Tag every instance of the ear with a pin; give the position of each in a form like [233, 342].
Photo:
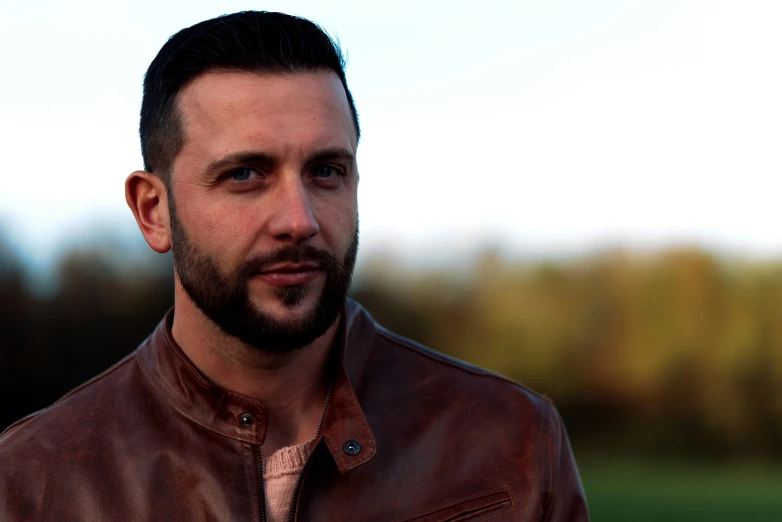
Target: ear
[146, 196]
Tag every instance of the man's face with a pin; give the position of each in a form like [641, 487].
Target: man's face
[262, 204]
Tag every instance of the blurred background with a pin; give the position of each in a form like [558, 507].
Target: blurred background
[579, 195]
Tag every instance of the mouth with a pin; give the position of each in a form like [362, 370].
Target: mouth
[288, 274]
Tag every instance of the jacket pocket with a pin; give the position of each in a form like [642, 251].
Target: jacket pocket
[474, 509]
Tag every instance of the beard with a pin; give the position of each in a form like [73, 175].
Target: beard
[225, 299]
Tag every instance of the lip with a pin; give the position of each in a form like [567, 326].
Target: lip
[288, 274]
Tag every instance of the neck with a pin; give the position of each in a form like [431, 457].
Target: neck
[293, 386]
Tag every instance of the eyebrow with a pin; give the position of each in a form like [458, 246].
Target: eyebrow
[217, 167]
[332, 154]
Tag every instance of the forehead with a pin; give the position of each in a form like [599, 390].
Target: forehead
[223, 112]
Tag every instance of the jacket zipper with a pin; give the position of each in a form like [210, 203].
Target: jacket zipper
[258, 461]
[296, 490]
[300, 479]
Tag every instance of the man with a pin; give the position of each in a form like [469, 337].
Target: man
[265, 394]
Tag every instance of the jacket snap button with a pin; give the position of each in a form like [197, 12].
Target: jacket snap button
[352, 447]
[246, 419]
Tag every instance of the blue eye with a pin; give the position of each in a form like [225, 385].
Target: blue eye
[243, 174]
[323, 171]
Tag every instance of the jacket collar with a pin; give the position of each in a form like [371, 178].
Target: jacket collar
[194, 396]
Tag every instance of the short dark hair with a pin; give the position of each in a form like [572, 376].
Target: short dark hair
[246, 41]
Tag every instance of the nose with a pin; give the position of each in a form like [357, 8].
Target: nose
[293, 219]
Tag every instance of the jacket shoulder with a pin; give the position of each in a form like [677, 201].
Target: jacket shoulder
[70, 416]
[454, 376]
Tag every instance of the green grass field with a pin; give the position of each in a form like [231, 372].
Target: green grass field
[621, 492]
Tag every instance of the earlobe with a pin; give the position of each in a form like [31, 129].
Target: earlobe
[146, 196]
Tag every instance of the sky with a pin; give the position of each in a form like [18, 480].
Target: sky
[554, 127]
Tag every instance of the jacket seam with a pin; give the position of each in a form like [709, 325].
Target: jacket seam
[195, 372]
[499, 514]
[172, 403]
[550, 475]
[462, 501]
[381, 331]
[250, 483]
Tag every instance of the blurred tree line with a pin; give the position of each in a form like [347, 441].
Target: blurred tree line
[676, 353]
[52, 340]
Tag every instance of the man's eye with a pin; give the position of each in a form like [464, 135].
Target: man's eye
[243, 174]
[323, 171]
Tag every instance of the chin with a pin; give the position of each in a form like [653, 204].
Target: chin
[288, 304]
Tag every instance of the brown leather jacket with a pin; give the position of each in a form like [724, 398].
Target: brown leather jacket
[409, 434]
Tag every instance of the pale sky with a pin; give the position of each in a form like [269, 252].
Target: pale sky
[540, 126]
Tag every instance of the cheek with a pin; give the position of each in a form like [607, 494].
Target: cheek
[338, 221]
[222, 231]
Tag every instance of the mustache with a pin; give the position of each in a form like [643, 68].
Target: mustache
[294, 254]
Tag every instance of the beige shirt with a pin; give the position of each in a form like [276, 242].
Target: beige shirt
[281, 470]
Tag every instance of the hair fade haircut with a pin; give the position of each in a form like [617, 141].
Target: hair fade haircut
[251, 41]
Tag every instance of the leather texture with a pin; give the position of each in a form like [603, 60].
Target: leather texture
[152, 439]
